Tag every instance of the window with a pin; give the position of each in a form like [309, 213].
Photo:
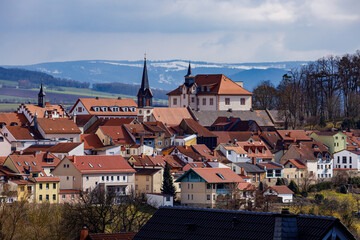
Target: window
[147, 187]
[208, 186]
[344, 159]
[175, 101]
[124, 178]
[254, 177]
[107, 178]
[287, 176]
[258, 177]
[47, 197]
[192, 99]
[72, 196]
[63, 196]
[227, 101]
[47, 186]
[67, 178]
[112, 178]
[167, 198]
[136, 187]
[87, 178]
[54, 185]
[192, 197]
[74, 178]
[147, 178]
[350, 166]
[204, 101]
[40, 197]
[118, 178]
[159, 143]
[22, 188]
[214, 197]
[40, 186]
[64, 165]
[338, 158]
[211, 101]
[350, 159]
[192, 186]
[208, 197]
[79, 109]
[103, 178]
[188, 186]
[242, 101]
[54, 197]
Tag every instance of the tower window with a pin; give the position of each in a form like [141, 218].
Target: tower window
[204, 101]
[211, 101]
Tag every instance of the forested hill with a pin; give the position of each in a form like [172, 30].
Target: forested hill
[29, 79]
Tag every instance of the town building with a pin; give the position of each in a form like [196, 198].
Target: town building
[336, 141]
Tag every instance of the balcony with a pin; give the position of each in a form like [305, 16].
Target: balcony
[222, 191]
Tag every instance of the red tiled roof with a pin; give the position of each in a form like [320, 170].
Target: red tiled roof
[100, 164]
[81, 120]
[213, 175]
[43, 157]
[188, 151]
[282, 190]
[196, 164]
[58, 126]
[88, 103]
[21, 133]
[270, 165]
[36, 148]
[258, 149]
[25, 161]
[171, 116]
[21, 182]
[172, 160]
[291, 135]
[245, 186]
[142, 161]
[47, 179]
[90, 141]
[63, 147]
[118, 134]
[198, 128]
[204, 151]
[13, 118]
[297, 163]
[43, 111]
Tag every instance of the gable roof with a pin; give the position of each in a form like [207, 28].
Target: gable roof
[13, 118]
[63, 147]
[197, 128]
[43, 111]
[215, 175]
[211, 224]
[171, 116]
[249, 167]
[282, 189]
[118, 134]
[90, 141]
[88, 103]
[204, 151]
[23, 162]
[43, 159]
[141, 161]
[58, 126]
[296, 163]
[100, 164]
[21, 133]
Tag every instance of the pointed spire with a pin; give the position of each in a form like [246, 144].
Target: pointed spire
[189, 73]
[41, 96]
[145, 80]
[41, 92]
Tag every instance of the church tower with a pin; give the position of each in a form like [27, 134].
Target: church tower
[144, 95]
[189, 78]
[41, 96]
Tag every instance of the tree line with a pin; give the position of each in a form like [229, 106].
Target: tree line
[322, 91]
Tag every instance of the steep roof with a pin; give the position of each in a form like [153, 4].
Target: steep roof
[238, 149]
[23, 162]
[13, 118]
[270, 165]
[100, 164]
[215, 175]
[43, 111]
[226, 137]
[204, 151]
[296, 163]
[249, 167]
[282, 189]
[47, 159]
[58, 126]
[118, 134]
[188, 151]
[211, 224]
[21, 133]
[88, 103]
[256, 149]
[63, 147]
[171, 116]
[198, 128]
[90, 141]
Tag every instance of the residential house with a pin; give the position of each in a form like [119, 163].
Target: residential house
[19, 137]
[169, 116]
[257, 150]
[48, 161]
[202, 186]
[289, 137]
[58, 128]
[233, 152]
[46, 189]
[336, 141]
[142, 136]
[203, 135]
[158, 200]
[105, 107]
[142, 161]
[148, 180]
[25, 189]
[254, 173]
[46, 111]
[186, 140]
[282, 192]
[85, 173]
[91, 141]
[69, 195]
[210, 92]
[5, 146]
[61, 150]
[234, 124]
[204, 223]
[295, 170]
[204, 151]
[24, 165]
[274, 143]
[187, 154]
[163, 137]
[347, 159]
[315, 155]
[273, 171]
[12, 119]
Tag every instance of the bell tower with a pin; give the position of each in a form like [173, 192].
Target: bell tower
[144, 95]
[41, 96]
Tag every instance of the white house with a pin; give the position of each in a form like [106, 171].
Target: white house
[234, 153]
[58, 128]
[5, 146]
[210, 92]
[157, 200]
[347, 159]
[281, 191]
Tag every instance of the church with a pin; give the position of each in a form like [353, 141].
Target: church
[210, 92]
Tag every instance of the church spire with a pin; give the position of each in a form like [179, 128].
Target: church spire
[189, 78]
[41, 96]
[144, 94]
[189, 73]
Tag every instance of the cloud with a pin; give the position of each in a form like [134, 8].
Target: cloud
[211, 30]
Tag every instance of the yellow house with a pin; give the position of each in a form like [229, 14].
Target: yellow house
[25, 190]
[148, 180]
[47, 189]
[336, 141]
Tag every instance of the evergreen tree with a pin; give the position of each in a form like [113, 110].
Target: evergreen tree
[280, 182]
[293, 187]
[168, 184]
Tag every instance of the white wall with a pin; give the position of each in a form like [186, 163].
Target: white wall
[171, 102]
[234, 102]
[207, 106]
[338, 160]
[156, 200]
[324, 169]
[83, 112]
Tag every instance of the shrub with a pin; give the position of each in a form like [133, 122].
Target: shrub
[320, 186]
[280, 182]
[319, 198]
[293, 187]
[304, 194]
[343, 189]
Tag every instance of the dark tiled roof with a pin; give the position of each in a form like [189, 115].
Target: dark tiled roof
[251, 168]
[110, 236]
[211, 224]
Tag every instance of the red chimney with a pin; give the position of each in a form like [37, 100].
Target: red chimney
[253, 160]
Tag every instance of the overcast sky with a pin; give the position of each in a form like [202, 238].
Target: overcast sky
[34, 31]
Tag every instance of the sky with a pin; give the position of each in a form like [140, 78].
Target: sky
[231, 31]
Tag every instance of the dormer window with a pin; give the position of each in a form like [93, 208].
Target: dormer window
[104, 109]
[319, 155]
[96, 109]
[125, 109]
[208, 88]
[114, 109]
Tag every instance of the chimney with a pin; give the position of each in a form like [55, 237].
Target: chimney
[285, 225]
[74, 117]
[84, 233]
[97, 98]
[119, 98]
[47, 104]
[253, 160]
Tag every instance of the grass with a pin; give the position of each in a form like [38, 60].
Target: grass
[8, 107]
[8, 83]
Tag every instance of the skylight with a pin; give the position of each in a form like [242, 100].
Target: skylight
[34, 163]
[91, 165]
[18, 163]
[220, 176]
[26, 163]
[195, 165]
[99, 165]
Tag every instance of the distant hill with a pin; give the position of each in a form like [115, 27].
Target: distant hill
[165, 75]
